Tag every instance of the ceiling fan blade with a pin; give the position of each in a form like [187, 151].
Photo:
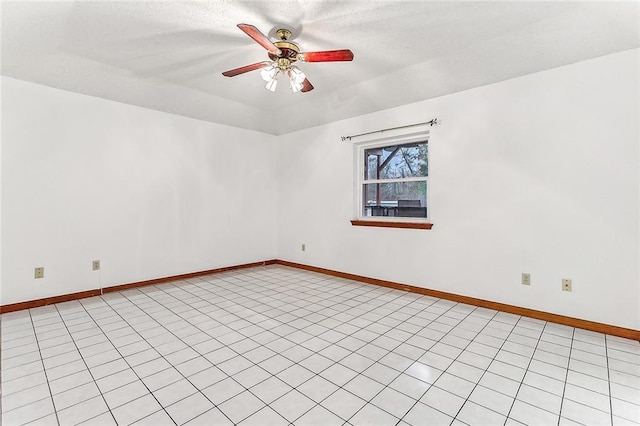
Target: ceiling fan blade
[246, 68]
[260, 38]
[306, 86]
[326, 56]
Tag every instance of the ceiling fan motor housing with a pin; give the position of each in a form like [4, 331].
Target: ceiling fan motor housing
[289, 50]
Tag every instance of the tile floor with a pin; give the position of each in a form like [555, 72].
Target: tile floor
[278, 346]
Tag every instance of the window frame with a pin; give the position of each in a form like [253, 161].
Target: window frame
[359, 181]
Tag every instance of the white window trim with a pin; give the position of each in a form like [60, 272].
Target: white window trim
[359, 180]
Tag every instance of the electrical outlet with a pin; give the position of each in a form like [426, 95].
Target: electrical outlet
[96, 265]
[526, 279]
[304, 247]
[39, 272]
[566, 284]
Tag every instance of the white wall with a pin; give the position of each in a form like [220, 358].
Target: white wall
[537, 174]
[149, 194]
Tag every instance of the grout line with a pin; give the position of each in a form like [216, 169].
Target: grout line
[126, 361]
[44, 370]
[453, 359]
[484, 372]
[606, 352]
[87, 369]
[566, 377]
[526, 370]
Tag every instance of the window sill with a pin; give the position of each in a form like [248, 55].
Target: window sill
[389, 224]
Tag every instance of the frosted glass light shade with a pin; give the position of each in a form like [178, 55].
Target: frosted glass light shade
[269, 73]
[271, 85]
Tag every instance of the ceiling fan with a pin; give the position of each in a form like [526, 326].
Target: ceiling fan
[283, 54]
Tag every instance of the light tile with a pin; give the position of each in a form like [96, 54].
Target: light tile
[136, 409]
[19, 371]
[589, 382]
[109, 368]
[276, 364]
[25, 397]
[223, 390]
[69, 382]
[76, 395]
[507, 370]
[193, 366]
[28, 413]
[104, 419]
[295, 375]
[443, 401]
[241, 406]
[264, 417]
[499, 383]
[221, 355]
[83, 411]
[455, 385]
[372, 415]
[491, 399]
[422, 414]
[161, 379]
[343, 403]
[174, 392]
[626, 410]
[395, 361]
[234, 365]
[319, 416]
[292, 405]
[540, 398]
[335, 352]
[318, 388]
[271, 389]
[474, 414]
[297, 353]
[393, 402]
[625, 393]
[316, 363]
[259, 354]
[530, 414]
[189, 408]
[338, 374]
[583, 414]
[410, 386]
[24, 382]
[206, 378]
[151, 367]
[364, 387]
[587, 397]
[125, 394]
[159, 418]
[465, 371]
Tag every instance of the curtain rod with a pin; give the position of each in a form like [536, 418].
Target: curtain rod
[432, 122]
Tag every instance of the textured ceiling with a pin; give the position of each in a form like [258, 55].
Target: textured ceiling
[169, 55]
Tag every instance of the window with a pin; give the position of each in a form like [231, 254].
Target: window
[393, 182]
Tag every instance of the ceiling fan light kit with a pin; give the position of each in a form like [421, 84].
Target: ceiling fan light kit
[282, 54]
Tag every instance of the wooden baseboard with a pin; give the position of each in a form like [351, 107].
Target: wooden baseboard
[48, 301]
[627, 333]
[184, 276]
[90, 293]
